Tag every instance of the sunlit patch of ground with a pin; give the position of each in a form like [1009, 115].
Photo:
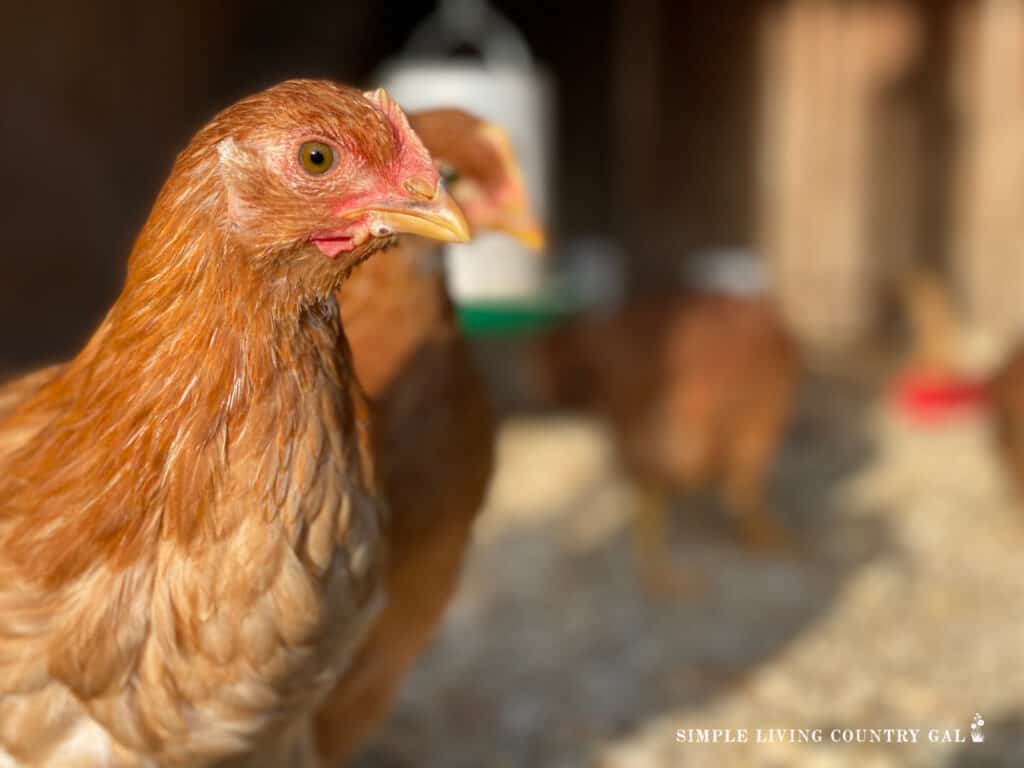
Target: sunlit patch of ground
[904, 608]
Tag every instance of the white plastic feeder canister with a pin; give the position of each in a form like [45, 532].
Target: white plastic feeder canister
[504, 86]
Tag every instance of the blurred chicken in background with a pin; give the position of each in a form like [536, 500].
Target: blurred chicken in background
[434, 426]
[1006, 390]
[1007, 393]
[697, 389]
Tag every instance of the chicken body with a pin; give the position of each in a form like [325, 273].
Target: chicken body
[190, 530]
[697, 392]
[434, 434]
[433, 421]
[1006, 391]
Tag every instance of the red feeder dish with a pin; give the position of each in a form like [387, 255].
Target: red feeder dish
[930, 399]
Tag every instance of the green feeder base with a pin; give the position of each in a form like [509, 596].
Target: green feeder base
[518, 317]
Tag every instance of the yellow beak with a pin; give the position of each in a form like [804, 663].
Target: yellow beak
[438, 218]
[528, 232]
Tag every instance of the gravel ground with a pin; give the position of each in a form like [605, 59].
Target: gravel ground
[903, 608]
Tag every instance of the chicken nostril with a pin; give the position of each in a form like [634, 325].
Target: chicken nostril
[382, 230]
[421, 188]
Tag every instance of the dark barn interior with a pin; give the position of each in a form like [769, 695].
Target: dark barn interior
[866, 155]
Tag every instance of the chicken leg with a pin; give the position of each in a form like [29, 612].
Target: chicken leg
[652, 545]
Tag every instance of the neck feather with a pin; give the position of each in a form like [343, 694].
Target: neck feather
[196, 363]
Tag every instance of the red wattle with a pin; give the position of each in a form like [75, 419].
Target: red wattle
[332, 246]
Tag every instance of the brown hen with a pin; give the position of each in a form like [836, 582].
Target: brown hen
[1006, 390]
[697, 391]
[432, 419]
[190, 546]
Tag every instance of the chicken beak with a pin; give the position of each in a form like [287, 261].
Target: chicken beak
[439, 218]
[513, 212]
[528, 232]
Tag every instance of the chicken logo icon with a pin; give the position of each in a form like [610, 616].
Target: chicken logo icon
[977, 729]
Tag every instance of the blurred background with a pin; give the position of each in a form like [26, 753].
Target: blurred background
[831, 151]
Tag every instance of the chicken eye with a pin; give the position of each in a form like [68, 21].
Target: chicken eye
[316, 157]
[448, 175]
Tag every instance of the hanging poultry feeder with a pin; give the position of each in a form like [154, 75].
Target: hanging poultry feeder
[468, 55]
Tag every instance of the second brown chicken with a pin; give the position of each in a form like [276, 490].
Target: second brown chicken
[433, 423]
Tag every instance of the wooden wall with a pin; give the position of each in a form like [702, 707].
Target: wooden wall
[989, 193]
[893, 134]
[844, 140]
[835, 104]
